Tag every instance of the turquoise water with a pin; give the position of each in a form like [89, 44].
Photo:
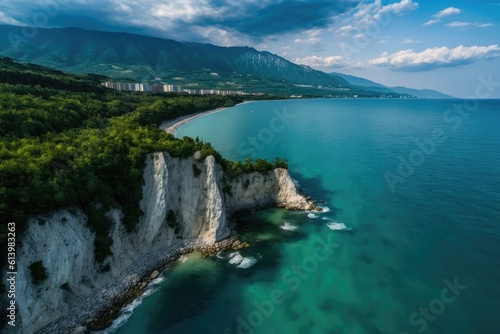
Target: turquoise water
[409, 251]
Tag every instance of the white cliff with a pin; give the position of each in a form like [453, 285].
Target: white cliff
[65, 245]
[255, 190]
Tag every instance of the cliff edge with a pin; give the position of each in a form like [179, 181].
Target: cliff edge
[186, 202]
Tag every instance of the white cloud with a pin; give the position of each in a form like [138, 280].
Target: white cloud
[460, 24]
[484, 25]
[365, 15]
[4, 19]
[442, 13]
[430, 22]
[346, 30]
[318, 61]
[410, 41]
[400, 7]
[312, 37]
[408, 60]
[447, 12]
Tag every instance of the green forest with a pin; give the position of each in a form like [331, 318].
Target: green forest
[68, 142]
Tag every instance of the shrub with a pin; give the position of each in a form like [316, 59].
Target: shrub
[196, 170]
[173, 223]
[38, 272]
[105, 269]
[227, 190]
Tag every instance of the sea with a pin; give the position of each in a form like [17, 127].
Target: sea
[408, 240]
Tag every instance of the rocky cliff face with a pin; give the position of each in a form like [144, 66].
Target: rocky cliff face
[76, 285]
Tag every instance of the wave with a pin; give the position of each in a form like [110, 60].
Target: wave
[219, 255]
[235, 258]
[288, 227]
[128, 310]
[241, 262]
[325, 209]
[247, 263]
[312, 215]
[336, 226]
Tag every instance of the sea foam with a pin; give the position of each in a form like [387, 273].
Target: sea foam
[235, 258]
[247, 262]
[288, 227]
[128, 310]
[241, 262]
[336, 226]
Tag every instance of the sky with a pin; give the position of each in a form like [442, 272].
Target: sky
[450, 46]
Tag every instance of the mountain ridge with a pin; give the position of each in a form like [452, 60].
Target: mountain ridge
[126, 56]
[378, 87]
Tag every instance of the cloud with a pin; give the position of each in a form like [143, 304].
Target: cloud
[430, 22]
[366, 14]
[318, 61]
[442, 13]
[312, 37]
[8, 20]
[408, 60]
[447, 12]
[410, 41]
[195, 20]
[400, 7]
[460, 24]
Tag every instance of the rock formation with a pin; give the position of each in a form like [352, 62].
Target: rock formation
[77, 289]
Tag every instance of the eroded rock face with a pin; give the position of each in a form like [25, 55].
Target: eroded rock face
[65, 245]
[255, 190]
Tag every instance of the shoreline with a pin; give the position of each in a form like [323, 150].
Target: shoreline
[174, 125]
[98, 313]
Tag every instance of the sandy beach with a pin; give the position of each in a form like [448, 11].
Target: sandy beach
[173, 125]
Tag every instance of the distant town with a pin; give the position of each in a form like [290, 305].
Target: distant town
[158, 88]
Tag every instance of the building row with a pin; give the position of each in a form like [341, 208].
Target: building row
[157, 88]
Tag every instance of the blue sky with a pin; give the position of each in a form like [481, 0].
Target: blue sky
[443, 45]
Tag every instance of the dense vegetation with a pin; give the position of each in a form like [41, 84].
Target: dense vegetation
[67, 142]
[38, 272]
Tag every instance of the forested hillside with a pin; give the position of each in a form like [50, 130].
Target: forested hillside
[131, 57]
[67, 142]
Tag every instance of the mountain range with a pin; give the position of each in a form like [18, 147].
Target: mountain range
[377, 87]
[137, 58]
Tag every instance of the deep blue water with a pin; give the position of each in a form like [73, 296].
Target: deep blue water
[411, 243]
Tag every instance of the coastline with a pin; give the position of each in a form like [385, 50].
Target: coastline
[174, 125]
[98, 312]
